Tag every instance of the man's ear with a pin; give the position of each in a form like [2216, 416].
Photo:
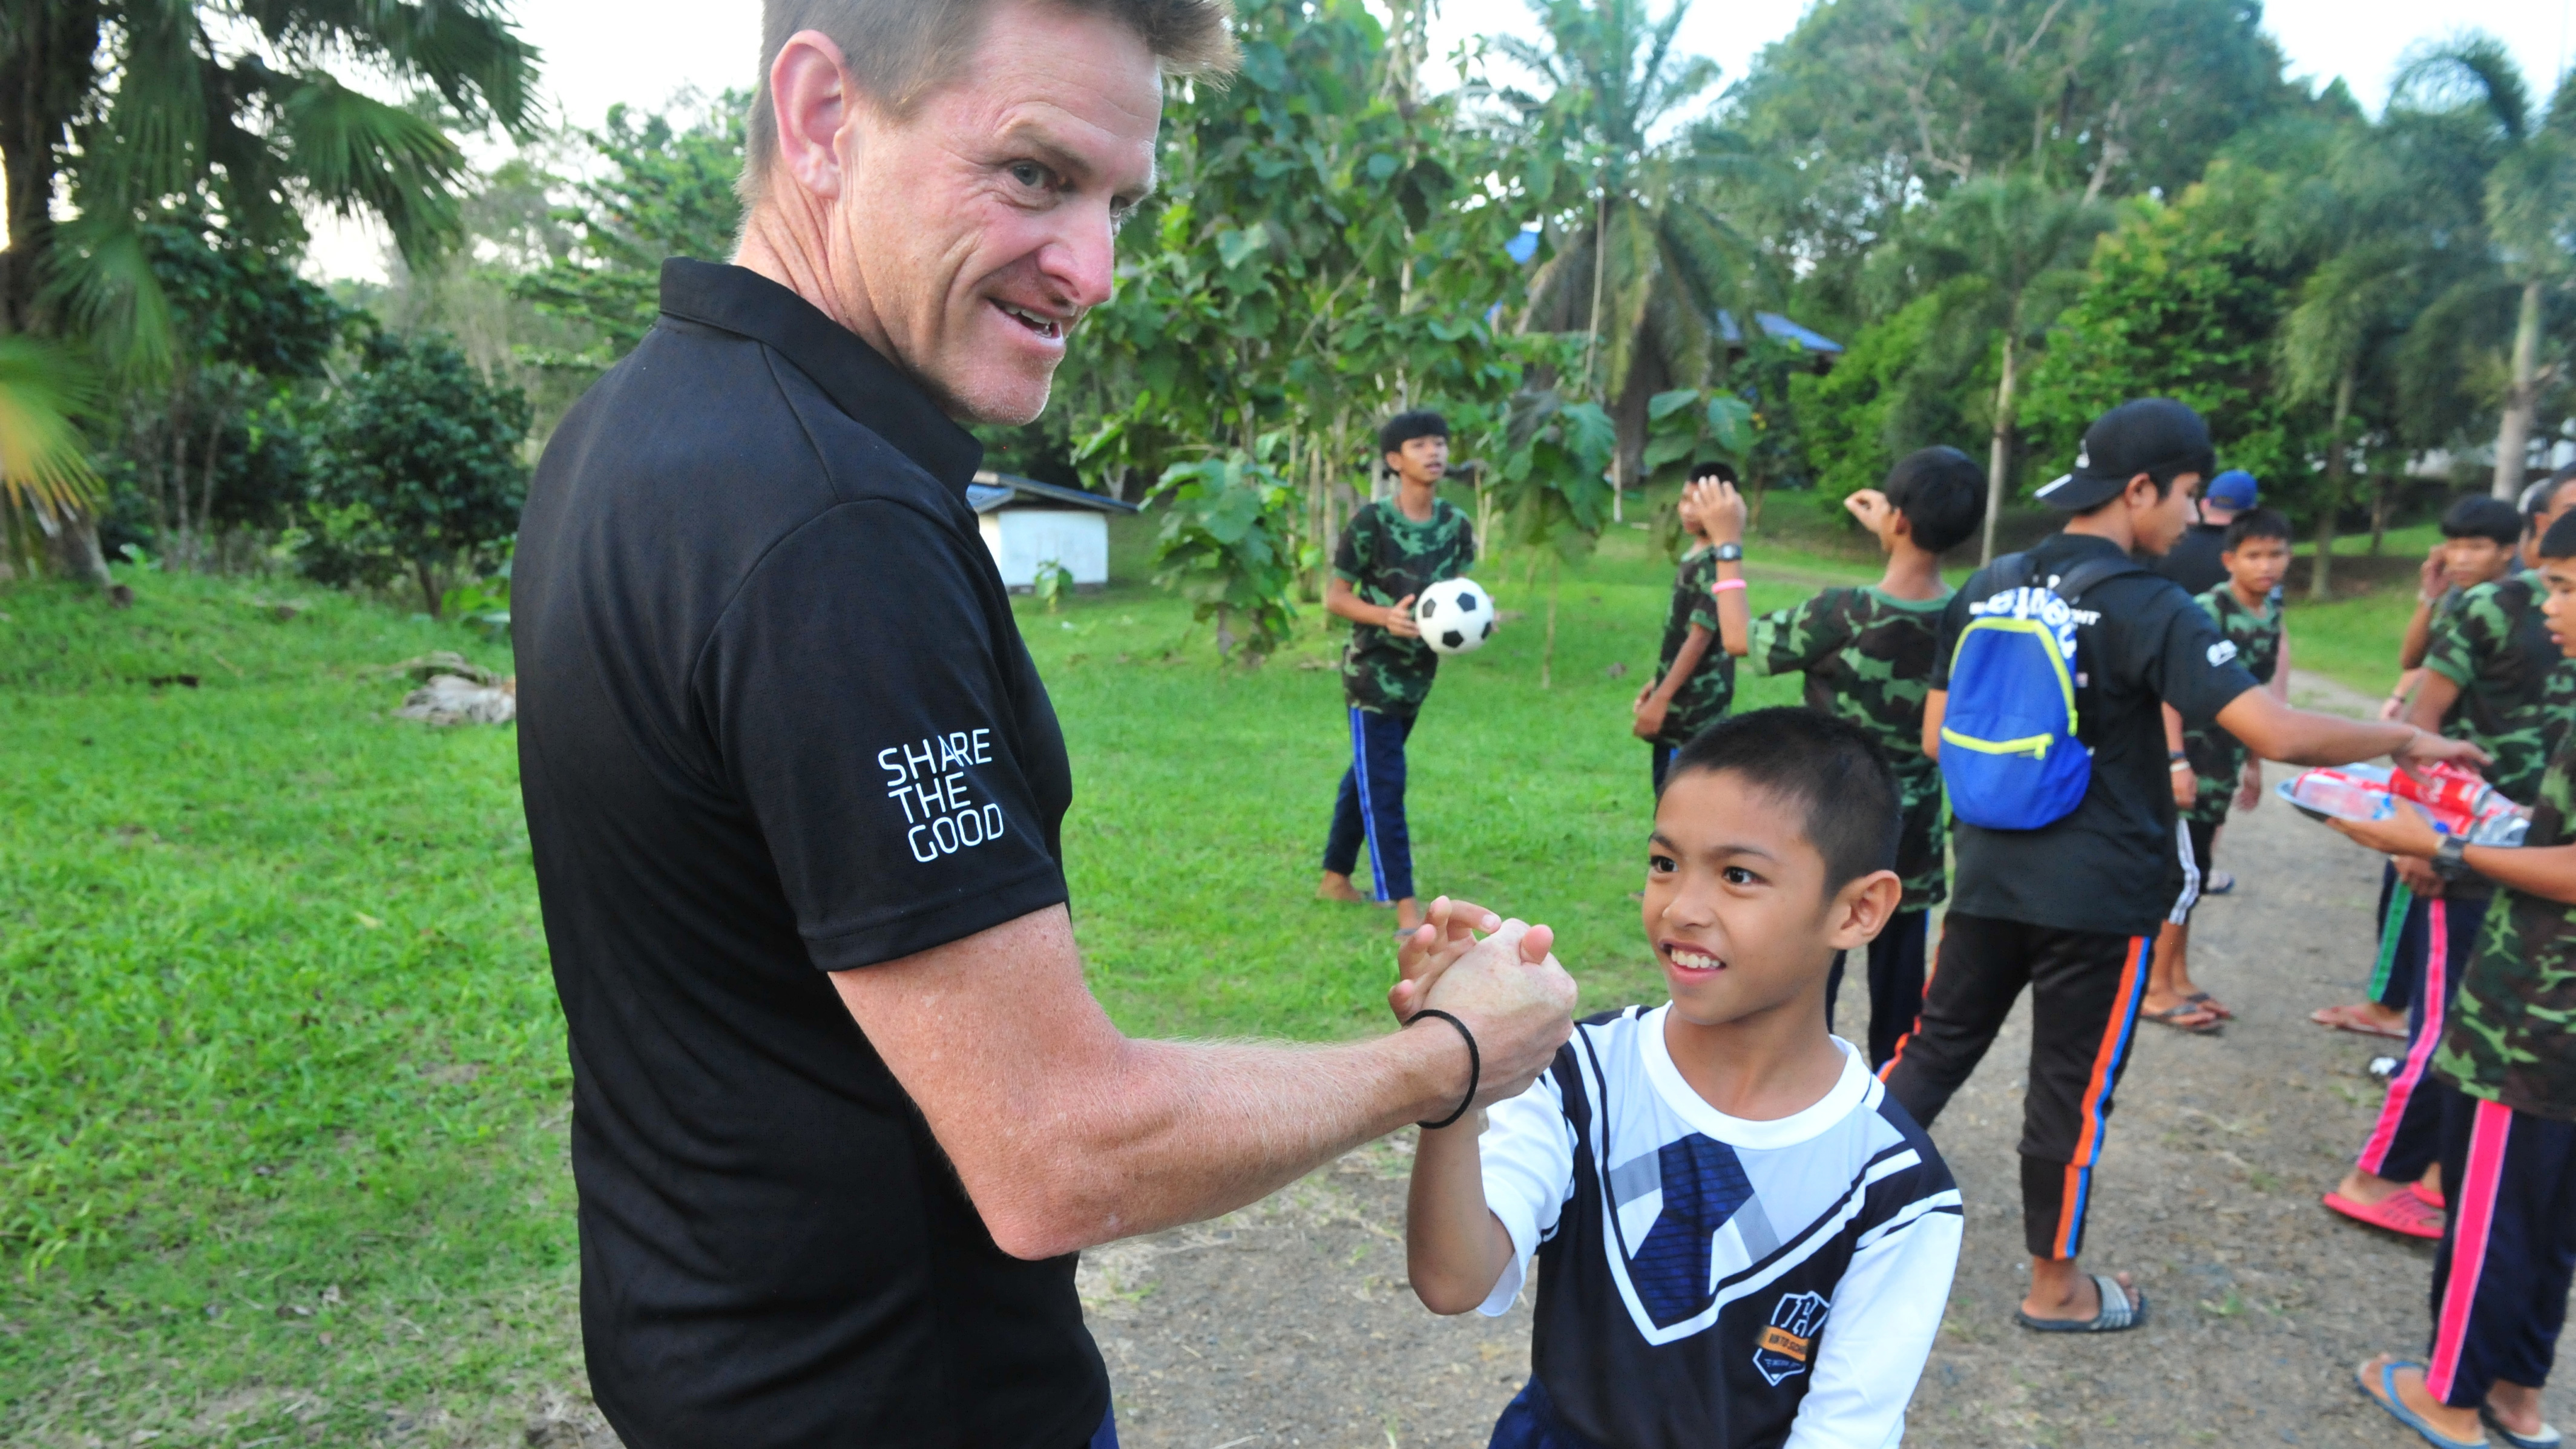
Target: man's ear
[811, 97]
[1862, 909]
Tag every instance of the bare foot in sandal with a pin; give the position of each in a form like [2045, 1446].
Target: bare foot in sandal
[2060, 1292]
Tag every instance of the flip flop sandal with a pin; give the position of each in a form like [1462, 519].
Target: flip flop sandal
[2387, 1399]
[2109, 1320]
[2218, 884]
[2334, 1016]
[2547, 1438]
[2400, 1212]
[2432, 1196]
[2195, 1028]
[2209, 1003]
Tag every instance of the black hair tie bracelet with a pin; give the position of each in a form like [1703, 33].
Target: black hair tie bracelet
[1475, 1068]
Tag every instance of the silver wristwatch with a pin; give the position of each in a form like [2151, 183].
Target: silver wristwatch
[2451, 858]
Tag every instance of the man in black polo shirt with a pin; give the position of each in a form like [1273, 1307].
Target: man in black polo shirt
[843, 1110]
[2071, 910]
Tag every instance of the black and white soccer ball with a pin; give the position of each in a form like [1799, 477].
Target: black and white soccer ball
[1456, 615]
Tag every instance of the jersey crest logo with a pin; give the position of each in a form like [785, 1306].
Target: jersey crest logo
[1789, 1342]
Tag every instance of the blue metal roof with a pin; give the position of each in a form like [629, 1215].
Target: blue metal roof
[992, 490]
[1775, 325]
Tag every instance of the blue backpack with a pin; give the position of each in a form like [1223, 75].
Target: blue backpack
[2010, 759]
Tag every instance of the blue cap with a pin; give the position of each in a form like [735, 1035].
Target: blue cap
[2234, 488]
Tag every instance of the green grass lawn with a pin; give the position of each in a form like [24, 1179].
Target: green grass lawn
[282, 1083]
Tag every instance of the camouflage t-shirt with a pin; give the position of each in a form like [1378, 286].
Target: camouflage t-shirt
[2512, 1037]
[2495, 646]
[1703, 698]
[1384, 556]
[1868, 659]
[2217, 757]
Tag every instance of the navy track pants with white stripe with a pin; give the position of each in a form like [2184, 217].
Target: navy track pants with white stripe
[1370, 808]
[2501, 1276]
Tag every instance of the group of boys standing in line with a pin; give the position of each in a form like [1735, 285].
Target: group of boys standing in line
[1721, 1189]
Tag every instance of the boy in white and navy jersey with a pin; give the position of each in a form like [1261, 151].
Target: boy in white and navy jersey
[1744, 1242]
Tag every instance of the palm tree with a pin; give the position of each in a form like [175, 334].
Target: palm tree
[132, 110]
[2005, 255]
[1647, 261]
[2530, 207]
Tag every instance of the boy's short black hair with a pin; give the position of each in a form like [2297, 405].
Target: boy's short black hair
[1823, 764]
[1712, 468]
[2479, 516]
[1403, 428]
[1942, 493]
[2560, 540]
[2254, 523]
[2537, 498]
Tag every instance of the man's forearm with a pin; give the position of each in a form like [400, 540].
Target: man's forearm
[1177, 1132]
[2298, 737]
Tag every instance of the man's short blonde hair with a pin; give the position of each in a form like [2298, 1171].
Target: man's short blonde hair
[901, 50]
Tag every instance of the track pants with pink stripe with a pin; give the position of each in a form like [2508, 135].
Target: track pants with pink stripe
[2501, 1276]
[2441, 934]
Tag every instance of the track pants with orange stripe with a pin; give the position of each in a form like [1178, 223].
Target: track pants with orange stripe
[2085, 987]
[2500, 1278]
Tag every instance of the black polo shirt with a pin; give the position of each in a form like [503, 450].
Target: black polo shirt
[775, 720]
[2111, 865]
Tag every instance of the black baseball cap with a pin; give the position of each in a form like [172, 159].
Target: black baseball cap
[2148, 435]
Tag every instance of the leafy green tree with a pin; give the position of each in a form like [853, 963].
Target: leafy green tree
[1870, 107]
[665, 188]
[137, 110]
[1882, 400]
[1225, 545]
[2530, 211]
[1644, 260]
[45, 473]
[2002, 256]
[422, 474]
[1555, 491]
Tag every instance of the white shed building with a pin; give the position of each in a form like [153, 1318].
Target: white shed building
[1028, 524]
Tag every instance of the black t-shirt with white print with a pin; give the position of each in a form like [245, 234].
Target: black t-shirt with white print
[2110, 865]
[776, 721]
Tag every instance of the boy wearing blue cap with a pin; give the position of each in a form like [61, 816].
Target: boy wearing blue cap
[2193, 560]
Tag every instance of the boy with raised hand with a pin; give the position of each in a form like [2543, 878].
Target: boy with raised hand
[2211, 770]
[1389, 553]
[1867, 656]
[2508, 1131]
[2479, 536]
[1746, 1241]
[2069, 909]
[1694, 682]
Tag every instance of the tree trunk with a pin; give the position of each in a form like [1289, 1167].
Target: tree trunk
[43, 80]
[2513, 432]
[1547, 651]
[202, 547]
[1600, 258]
[429, 591]
[82, 557]
[2378, 513]
[1999, 455]
[2338, 465]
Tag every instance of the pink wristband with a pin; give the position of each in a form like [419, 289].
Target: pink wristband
[1722, 585]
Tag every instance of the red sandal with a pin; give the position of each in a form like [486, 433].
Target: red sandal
[2400, 1212]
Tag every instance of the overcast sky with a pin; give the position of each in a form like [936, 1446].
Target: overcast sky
[598, 53]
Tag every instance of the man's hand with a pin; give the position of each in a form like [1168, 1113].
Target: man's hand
[1447, 933]
[1516, 999]
[1871, 507]
[2432, 577]
[1721, 510]
[2418, 874]
[1399, 619]
[2406, 835]
[2428, 748]
[2186, 787]
[1650, 717]
[2249, 786]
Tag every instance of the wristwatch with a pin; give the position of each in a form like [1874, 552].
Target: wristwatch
[1729, 552]
[2451, 859]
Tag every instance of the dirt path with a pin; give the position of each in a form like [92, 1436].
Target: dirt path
[1289, 1323]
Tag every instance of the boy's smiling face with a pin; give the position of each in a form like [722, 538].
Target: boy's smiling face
[1736, 906]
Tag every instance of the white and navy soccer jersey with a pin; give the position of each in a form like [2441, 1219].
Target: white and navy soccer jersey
[1710, 1281]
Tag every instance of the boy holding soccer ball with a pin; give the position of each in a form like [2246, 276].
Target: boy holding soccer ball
[1389, 553]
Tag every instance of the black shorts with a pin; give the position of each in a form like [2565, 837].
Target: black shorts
[2197, 843]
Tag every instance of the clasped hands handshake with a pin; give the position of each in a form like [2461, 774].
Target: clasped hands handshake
[1505, 987]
